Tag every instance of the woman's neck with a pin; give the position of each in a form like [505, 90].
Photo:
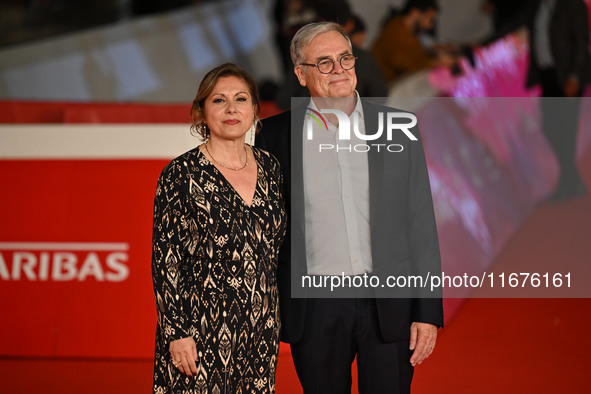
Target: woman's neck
[227, 153]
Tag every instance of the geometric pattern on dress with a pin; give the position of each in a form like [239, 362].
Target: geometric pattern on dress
[214, 263]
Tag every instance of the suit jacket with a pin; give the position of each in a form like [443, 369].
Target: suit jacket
[402, 223]
[569, 42]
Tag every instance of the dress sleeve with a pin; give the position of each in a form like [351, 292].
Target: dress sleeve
[170, 238]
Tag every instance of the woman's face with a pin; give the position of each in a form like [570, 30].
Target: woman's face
[229, 109]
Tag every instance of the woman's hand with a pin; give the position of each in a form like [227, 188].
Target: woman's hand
[184, 355]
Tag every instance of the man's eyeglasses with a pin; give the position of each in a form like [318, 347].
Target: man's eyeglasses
[325, 66]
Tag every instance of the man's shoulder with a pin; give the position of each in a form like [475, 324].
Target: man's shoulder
[275, 130]
[374, 106]
[179, 166]
[278, 118]
[267, 158]
[283, 119]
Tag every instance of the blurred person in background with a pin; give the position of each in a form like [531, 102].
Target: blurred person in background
[503, 12]
[508, 17]
[219, 220]
[398, 49]
[358, 33]
[561, 64]
[289, 16]
[144, 7]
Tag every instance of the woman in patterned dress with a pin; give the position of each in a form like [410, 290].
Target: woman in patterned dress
[219, 220]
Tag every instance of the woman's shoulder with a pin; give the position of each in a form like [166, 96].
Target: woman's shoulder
[189, 159]
[266, 158]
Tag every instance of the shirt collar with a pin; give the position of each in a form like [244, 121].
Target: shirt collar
[358, 107]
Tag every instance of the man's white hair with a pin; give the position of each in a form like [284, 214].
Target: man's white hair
[307, 33]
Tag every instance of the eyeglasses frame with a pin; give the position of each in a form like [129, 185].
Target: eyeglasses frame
[340, 60]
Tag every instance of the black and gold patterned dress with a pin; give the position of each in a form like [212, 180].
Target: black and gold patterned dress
[214, 263]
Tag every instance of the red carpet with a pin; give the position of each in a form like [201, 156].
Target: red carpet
[523, 345]
[490, 346]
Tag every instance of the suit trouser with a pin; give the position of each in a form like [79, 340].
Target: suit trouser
[560, 118]
[335, 331]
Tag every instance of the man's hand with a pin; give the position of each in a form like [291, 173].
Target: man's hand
[444, 59]
[184, 355]
[571, 87]
[422, 341]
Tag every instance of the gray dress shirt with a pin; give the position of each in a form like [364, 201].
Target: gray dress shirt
[336, 200]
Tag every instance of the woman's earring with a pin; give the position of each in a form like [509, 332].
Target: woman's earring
[203, 131]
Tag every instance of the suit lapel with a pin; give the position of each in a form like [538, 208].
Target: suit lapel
[296, 172]
[375, 164]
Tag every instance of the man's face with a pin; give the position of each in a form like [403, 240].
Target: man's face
[426, 20]
[337, 83]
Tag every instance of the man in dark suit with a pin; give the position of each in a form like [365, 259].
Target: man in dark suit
[383, 200]
[561, 64]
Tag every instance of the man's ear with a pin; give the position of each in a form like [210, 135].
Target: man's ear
[299, 72]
